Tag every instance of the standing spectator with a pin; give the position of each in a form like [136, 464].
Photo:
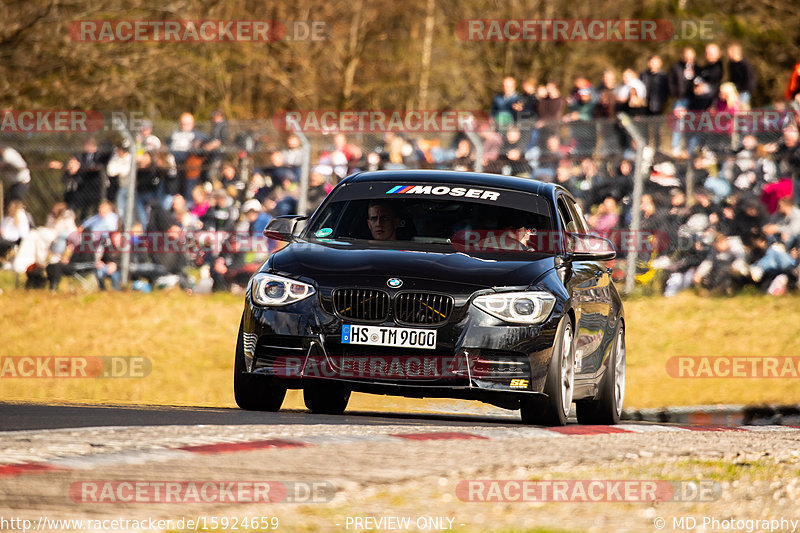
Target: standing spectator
[741, 74]
[292, 155]
[793, 86]
[148, 183]
[183, 143]
[216, 143]
[707, 81]
[231, 182]
[15, 172]
[580, 110]
[526, 106]
[502, 108]
[706, 88]
[632, 94]
[550, 108]
[492, 143]
[681, 85]
[657, 86]
[83, 178]
[613, 135]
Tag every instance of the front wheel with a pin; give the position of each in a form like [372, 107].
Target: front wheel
[607, 408]
[253, 392]
[558, 386]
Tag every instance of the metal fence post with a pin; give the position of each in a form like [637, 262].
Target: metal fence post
[639, 168]
[468, 127]
[305, 167]
[127, 224]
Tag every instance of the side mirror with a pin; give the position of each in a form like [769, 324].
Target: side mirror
[284, 228]
[582, 247]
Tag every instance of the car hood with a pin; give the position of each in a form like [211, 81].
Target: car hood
[335, 264]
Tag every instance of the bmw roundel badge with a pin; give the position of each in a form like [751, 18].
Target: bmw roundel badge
[394, 283]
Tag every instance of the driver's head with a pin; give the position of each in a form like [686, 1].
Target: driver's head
[382, 220]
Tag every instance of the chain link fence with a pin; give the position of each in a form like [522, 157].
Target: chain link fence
[660, 187]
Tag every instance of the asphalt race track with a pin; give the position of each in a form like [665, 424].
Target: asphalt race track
[367, 471]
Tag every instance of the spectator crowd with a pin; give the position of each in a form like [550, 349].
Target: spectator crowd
[719, 208]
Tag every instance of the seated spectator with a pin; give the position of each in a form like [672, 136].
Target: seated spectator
[545, 161]
[492, 143]
[605, 218]
[104, 222]
[716, 273]
[145, 140]
[319, 185]
[511, 160]
[231, 181]
[255, 217]
[784, 226]
[199, 201]
[107, 266]
[221, 214]
[564, 177]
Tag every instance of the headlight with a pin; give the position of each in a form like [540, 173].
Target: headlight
[271, 290]
[530, 307]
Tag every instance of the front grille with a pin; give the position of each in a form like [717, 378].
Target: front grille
[422, 308]
[361, 304]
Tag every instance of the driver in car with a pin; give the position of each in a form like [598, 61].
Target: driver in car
[383, 221]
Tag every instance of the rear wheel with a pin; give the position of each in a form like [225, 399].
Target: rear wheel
[254, 392]
[326, 398]
[559, 385]
[607, 408]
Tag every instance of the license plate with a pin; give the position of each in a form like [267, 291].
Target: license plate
[385, 336]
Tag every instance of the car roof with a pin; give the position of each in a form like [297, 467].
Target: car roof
[453, 177]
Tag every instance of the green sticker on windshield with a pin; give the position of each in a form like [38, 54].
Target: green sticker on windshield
[324, 232]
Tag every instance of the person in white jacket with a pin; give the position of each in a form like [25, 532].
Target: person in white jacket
[119, 166]
[15, 171]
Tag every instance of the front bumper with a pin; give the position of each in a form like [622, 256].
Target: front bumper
[476, 357]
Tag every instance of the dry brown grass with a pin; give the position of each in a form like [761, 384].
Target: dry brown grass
[191, 339]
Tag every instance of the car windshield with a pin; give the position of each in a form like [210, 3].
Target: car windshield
[446, 218]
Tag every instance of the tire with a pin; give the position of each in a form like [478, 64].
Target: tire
[253, 392]
[559, 384]
[607, 408]
[326, 398]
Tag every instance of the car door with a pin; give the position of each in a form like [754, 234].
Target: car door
[591, 295]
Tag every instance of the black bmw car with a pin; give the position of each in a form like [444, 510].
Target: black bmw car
[437, 284]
